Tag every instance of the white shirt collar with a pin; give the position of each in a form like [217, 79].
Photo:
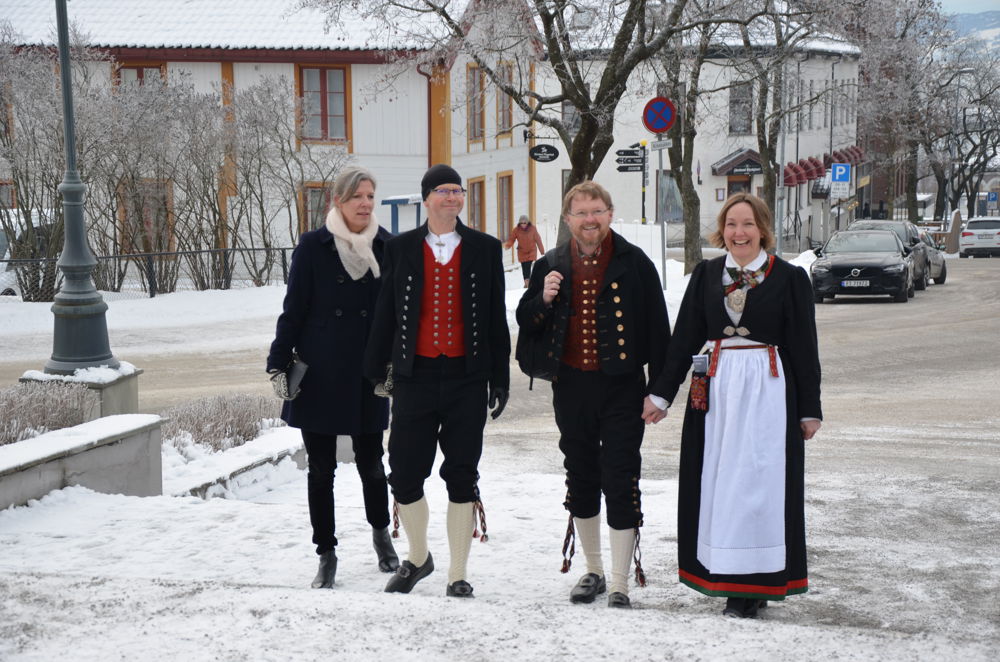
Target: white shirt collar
[755, 263]
[443, 245]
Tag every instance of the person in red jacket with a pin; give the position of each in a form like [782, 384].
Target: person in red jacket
[529, 245]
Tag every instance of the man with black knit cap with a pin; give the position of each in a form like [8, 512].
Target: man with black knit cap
[440, 332]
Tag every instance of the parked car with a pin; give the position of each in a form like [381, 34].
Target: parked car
[909, 235]
[980, 236]
[44, 229]
[863, 262]
[935, 258]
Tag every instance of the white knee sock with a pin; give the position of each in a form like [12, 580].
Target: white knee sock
[622, 549]
[460, 526]
[414, 518]
[588, 531]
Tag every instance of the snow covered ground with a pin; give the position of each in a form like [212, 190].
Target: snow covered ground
[904, 565]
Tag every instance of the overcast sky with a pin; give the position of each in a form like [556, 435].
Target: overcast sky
[969, 6]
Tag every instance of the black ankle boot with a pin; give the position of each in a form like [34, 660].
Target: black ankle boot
[327, 570]
[741, 607]
[382, 541]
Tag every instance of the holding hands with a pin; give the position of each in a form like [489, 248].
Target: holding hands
[651, 413]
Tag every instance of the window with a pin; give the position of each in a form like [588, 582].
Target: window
[571, 118]
[145, 216]
[325, 102]
[741, 108]
[477, 203]
[141, 74]
[505, 204]
[505, 104]
[7, 194]
[812, 104]
[316, 204]
[475, 103]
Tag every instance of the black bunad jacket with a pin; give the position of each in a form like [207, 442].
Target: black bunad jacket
[632, 325]
[326, 320]
[397, 313]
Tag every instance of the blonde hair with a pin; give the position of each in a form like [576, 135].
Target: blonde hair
[590, 189]
[761, 217]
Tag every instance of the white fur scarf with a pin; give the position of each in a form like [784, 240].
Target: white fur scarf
[355, 248]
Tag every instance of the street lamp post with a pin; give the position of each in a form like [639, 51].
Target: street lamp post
[80, 330]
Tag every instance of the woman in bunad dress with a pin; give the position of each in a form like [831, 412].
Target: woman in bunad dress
[753, 400]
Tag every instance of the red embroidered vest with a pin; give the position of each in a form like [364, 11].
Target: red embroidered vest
[580, 347]
[442, 329]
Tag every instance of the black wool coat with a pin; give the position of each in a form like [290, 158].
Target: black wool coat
[484, 313]
[632, 325]
[327, 319]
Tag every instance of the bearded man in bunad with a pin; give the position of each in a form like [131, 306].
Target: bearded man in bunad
[592, 318]
[440, 344]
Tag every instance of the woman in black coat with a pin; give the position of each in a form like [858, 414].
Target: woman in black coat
[332, 287]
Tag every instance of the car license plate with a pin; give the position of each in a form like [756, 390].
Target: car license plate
[984, 236]
[854, 283]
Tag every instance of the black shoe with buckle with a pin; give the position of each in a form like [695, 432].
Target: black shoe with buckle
[588, 588]
[382, 542]
[327, 570]
[459, 589]
[407, 576]
[619, 601]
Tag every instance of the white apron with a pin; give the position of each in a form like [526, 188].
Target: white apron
[741, 526]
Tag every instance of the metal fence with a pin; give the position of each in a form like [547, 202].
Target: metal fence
[146, 275]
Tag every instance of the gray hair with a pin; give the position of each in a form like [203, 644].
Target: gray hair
[349, 179]
[523, 219]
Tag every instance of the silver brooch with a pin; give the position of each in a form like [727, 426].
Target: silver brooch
[737, 299]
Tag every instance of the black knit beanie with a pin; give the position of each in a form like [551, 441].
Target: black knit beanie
[437, 175]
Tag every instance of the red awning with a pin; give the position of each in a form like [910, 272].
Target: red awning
[806, 169]
[827, 160]
[791, 177]
[860, 153]
[840, 157]
[818, 169]
[800, 173]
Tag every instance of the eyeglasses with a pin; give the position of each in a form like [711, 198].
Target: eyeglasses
[445, 192]
[588, 214]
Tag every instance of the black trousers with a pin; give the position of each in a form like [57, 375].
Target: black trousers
[601, 428]
[322, 454]
[526, 269]
[437, 405]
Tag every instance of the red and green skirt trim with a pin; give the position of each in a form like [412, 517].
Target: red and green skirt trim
[731, 589]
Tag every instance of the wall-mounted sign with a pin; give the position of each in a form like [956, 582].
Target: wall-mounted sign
[543, 153]
[748, 167]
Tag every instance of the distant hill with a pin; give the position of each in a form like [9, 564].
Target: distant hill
[984, 25]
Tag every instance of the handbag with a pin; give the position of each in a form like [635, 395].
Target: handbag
[294, 373]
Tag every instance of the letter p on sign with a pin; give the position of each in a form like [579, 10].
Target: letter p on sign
[840, 172]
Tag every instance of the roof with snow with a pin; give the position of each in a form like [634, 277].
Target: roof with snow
[225, 24]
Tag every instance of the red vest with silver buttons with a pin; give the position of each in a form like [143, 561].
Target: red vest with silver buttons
[442, 329]
[580, 349]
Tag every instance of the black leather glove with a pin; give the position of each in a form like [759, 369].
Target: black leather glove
[498, 400]
[279, 382]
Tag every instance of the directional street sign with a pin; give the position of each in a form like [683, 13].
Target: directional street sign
[631, 168]
[629, 159]
[629, 152]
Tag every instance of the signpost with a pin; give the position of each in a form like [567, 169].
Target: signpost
[634, 159]
[659, 115]
[840, 184]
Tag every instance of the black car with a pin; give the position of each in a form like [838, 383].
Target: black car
[863, 262]
[909, 234]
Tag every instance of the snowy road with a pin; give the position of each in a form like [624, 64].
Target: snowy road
[904, 531]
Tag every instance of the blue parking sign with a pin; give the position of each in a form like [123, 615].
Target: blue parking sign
[840, 172]
[991, 197]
